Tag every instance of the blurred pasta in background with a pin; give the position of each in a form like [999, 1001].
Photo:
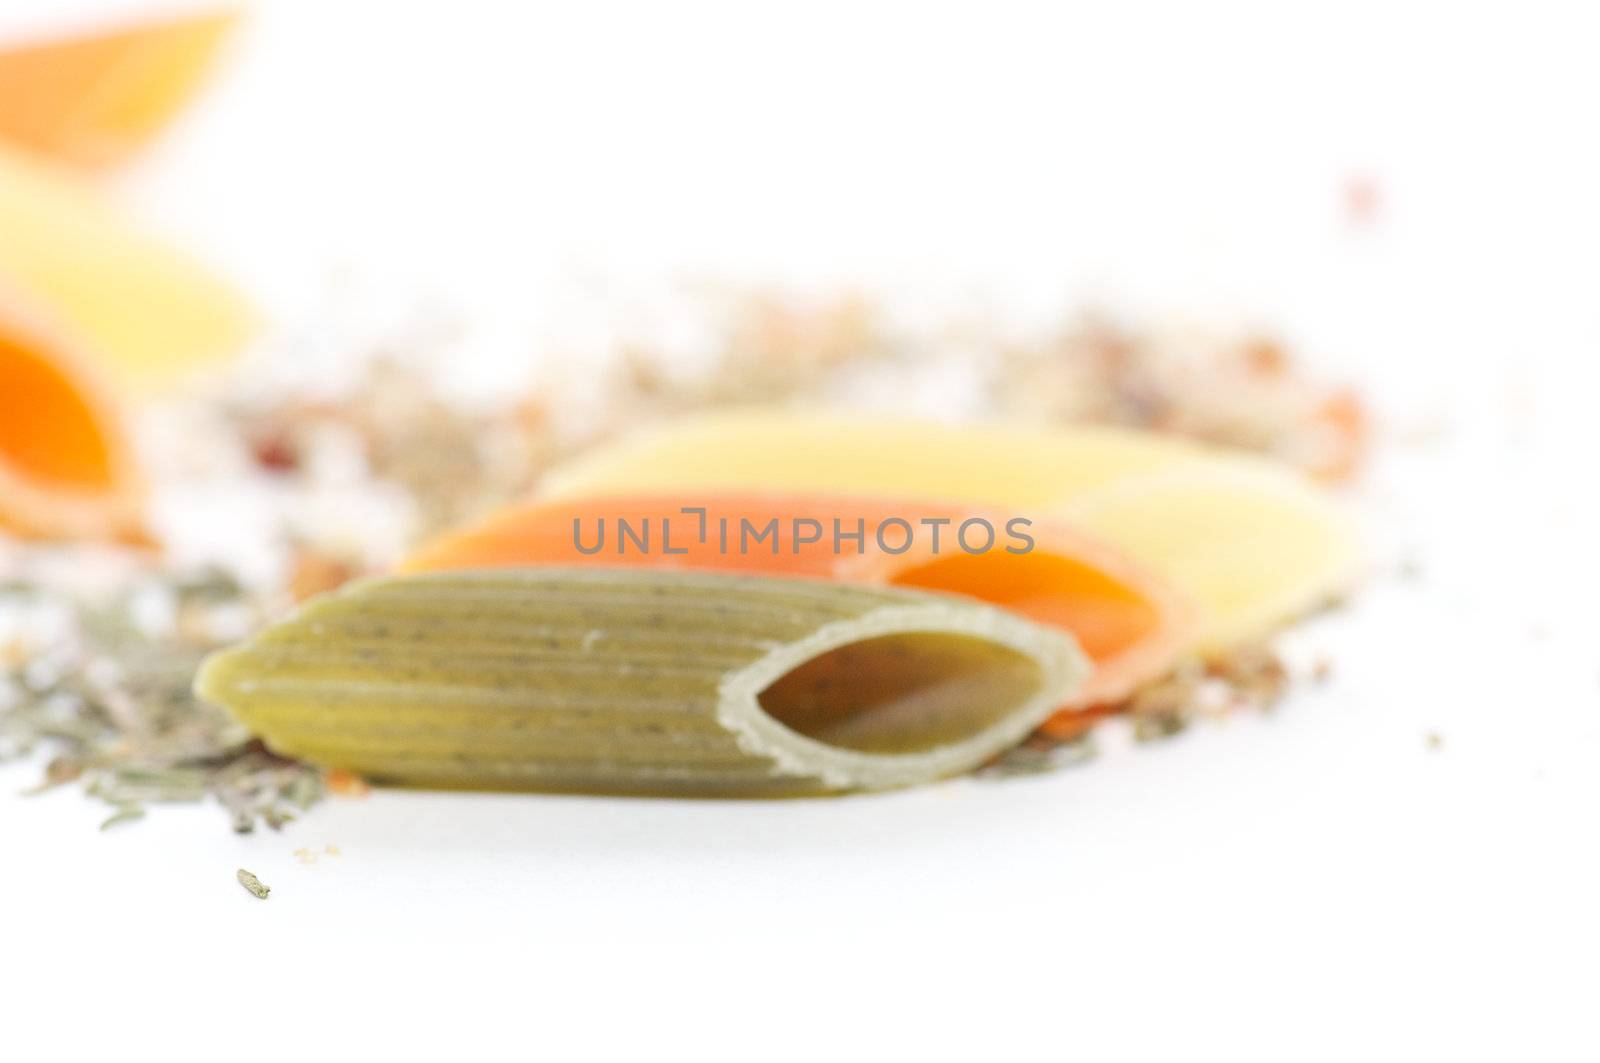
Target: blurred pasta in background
[94, 311]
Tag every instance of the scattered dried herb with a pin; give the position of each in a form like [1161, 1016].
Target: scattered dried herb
[126, 814]
[310, 856]
[1242, 388]
[1251, 677]
[1040, 755]
[452, 460]
[106, 692]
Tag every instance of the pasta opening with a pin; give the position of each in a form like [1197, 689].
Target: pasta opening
[48, 432]
[1106, 615]
[902, 693]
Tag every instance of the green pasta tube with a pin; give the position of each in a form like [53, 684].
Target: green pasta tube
[644, 681]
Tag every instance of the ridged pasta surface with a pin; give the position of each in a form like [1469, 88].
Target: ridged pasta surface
[643, 681]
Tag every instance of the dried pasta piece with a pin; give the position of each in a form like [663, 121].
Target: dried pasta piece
[144, 310]
[1250, 541]
[1257, 547]
[66, 465]
[95, 99]
[1130, 623]
[644, 681]
[1010, 467]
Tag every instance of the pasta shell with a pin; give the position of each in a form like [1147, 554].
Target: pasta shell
[67, 467]
[1130, 623]
[147, 312]
[1256, 547]
[1017, 467]
[1251, 542]
[95, 99]
[644, 681]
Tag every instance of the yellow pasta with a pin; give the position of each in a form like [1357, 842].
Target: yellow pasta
[644, 681]
[146, 310]
[1256, 547]
[776, 450]
[1253, 543]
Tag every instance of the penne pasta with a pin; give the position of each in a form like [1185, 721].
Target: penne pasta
[1009, 467]
[145, 310]
[94, 99]
[644, 681]
[1253, 544]
[67, 466]
[1257, 547]
[1130, 623]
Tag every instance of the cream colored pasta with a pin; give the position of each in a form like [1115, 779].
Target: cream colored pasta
[644, 681]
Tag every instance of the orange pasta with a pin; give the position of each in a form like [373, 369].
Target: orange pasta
[1129, 623]
[66, 468]
[95, 99]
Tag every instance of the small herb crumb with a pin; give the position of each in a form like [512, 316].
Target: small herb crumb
[123, 815]
[310, 856]
[257, 888]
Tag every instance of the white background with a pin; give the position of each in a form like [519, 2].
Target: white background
[1313, 884]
